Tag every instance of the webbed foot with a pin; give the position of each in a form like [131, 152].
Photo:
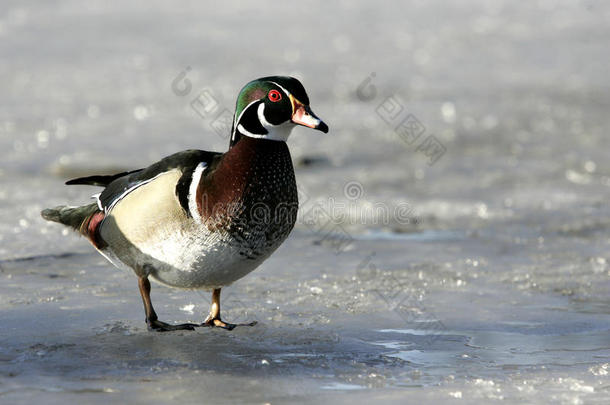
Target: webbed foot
[213, 319]
[158, 326]
[219, 323]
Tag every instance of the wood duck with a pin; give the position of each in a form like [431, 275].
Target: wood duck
[199, 219]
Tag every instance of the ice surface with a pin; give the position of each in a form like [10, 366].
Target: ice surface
[479, 278]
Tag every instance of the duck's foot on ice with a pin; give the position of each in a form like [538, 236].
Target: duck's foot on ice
[213, 319]
[158, 326]
[218, 323]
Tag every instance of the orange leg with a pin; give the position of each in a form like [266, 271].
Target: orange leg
[213, 318]
[153, 323]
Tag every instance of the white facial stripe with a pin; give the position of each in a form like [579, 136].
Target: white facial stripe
[192, 198]
[239, 118]
[261, 116]
[248, 133]
[281, 87]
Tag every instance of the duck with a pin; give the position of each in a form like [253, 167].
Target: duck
[201, 220]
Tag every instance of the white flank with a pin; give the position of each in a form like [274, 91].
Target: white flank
[192, 198]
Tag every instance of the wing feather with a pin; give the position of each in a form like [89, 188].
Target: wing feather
[121, 184]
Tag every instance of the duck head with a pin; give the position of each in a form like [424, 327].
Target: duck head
[270, 107]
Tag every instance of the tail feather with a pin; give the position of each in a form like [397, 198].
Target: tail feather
[101, 181]
[74, 217]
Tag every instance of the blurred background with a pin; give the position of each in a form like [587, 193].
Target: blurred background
[454, 222]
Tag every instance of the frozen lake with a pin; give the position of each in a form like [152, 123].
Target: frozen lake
[453, 243]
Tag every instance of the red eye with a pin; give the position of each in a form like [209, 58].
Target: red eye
[275, 96]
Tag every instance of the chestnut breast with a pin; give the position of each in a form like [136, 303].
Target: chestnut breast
[251, 193]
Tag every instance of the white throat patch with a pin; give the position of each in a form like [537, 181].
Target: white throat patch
[279, 132]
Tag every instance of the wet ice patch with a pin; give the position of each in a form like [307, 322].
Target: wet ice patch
[342, 387]
[188, 308]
